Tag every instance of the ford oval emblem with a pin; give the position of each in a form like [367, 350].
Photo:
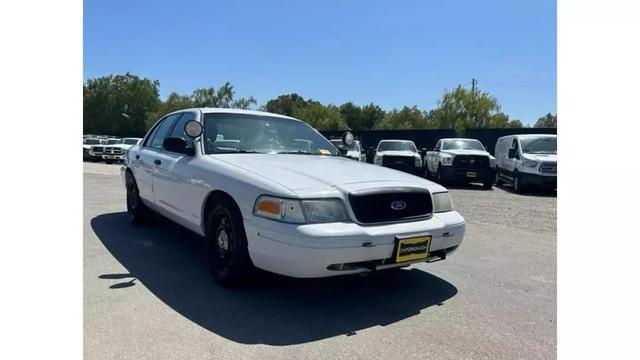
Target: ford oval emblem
[398, 205]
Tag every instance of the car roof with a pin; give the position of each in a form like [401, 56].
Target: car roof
[528, 135]
[459, 139]
[211, 110]
[395, 140]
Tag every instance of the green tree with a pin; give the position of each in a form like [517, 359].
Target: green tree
[320, 116]
[285, 104]
[352, 114]
[119, 104]
[547, 121]
[223, 97]
[460, 108]
[372, 115]
[406, 118]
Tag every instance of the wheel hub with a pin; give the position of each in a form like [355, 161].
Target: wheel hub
[223, 240]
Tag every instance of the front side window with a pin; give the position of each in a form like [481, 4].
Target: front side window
[540, 145]
[161, 131]
[397, 146]
[243, 133]
[463, 145]
[178, 129]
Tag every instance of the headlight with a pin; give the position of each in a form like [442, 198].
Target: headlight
[442, 202]
[529, 163]
[418, 161]
[446, 161]
[300, 211]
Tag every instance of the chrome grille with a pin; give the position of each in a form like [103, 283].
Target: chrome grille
[549, 167]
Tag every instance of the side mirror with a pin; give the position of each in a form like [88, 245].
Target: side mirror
[348, 140]
[178, 145]
[513, 153]
[193, 129]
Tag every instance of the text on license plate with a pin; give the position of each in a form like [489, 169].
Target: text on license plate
[414, 248]
[471, 174]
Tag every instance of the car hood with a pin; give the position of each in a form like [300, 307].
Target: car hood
[465, 152]
[314, 172]
[397, 153]
[542, 157]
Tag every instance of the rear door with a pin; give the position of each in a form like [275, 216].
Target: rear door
[147, 157]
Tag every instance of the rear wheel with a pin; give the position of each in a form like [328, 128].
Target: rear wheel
[487, 184]
[427, 175]
[229, 261]
[137, 211]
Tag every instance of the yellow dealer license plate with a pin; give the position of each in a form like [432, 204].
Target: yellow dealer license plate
[412, 248]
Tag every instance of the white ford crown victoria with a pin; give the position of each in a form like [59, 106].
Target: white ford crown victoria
[269, 191]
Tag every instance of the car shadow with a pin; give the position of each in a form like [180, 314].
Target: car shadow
[466, 186]
[272, 309]
[530, 191]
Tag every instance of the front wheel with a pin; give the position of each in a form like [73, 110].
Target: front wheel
[517, 183]
[228, 255]
[439, 178]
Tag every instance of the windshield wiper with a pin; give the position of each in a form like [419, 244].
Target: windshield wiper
[238, 151]
[301, 152]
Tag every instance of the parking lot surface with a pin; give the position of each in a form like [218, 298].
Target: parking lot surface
[148, 294]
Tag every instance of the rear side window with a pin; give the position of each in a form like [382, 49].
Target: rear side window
[161, 131]
[178, 129]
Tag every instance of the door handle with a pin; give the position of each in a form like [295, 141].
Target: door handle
[137, 157]
[157, 162]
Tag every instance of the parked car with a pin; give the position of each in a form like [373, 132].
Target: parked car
[355, 152]
[270, 205]
[400, 155]
[86, 146]
[457, 159]
[527, 160]
[117, 151]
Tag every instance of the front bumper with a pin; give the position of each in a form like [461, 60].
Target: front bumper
[546, 181]
[320, 250]
[113, 157]
[461, 174]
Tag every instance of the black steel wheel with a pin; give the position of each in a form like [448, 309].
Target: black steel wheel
[228, 256]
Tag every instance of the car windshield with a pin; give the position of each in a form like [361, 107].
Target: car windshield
[462, 145]
[540, 145]
[114, 141]
[244, 133]
[397, 146]
[130, 141]
[92, 141]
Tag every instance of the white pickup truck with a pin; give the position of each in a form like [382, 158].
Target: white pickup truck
[400, 155]
[266, 202]
[463, 160]
[116, 151]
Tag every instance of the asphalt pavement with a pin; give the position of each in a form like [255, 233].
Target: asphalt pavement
[148, 295]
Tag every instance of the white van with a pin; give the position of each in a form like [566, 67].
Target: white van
[527, 160]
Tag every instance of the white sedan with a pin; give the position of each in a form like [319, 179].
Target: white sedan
[280, 198]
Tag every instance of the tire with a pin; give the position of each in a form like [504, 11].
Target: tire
[226, 243]
[427, 175]
[108, 161]
[439, 179]
[137, 211]
[517, 183]
[498, 180]
[487, 184]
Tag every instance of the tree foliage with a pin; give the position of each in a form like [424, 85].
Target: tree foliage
[547, 121]
[106, 99]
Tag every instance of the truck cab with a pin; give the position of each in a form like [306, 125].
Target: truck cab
[459, 159]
